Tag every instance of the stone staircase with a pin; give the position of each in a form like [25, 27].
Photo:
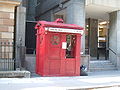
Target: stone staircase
[101, 65]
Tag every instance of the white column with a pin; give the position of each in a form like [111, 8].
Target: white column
[75, 14]
[20, 34]
[114, 38]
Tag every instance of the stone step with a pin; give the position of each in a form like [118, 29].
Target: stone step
[104, 68]
[103, 65]
[14, 74]
[108, 64]
[100, 62]
[101, 69]
[96, 62]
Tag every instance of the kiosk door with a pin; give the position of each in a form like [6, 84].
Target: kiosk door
[54, 52]
[62, 53]
[70, 54]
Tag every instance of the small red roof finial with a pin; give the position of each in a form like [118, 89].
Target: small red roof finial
[59, 20]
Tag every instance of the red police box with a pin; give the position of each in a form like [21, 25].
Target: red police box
[58, 48]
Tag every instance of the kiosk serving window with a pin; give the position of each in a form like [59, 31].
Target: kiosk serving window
[70, 50]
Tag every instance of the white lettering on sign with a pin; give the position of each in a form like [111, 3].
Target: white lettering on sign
[64, 30]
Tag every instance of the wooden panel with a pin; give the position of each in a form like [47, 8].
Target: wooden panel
[70, 67]
[54, 67]
[54, 46]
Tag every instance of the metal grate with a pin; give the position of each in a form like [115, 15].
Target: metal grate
[7, 61]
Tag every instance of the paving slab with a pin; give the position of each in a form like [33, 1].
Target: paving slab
[95, 80]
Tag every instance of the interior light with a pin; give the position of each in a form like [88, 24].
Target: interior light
[101, 27]
[87, 25]
[101, 23]
[100, 30]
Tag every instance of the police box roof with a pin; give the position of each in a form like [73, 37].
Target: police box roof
[58, 23]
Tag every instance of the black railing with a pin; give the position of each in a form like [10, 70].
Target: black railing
[112, 51]
[7, 60]
[102, 50]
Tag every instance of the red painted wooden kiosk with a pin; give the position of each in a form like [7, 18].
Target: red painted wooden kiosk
[58, 48]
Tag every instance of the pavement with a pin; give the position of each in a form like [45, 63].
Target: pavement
[105, 80]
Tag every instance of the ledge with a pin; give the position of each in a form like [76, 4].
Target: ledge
[11, 2]
[14, 74]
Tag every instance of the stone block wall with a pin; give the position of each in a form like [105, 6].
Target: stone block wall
[85, 59]
[6, 30]
[30, 63]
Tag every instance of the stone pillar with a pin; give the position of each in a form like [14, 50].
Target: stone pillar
[20, 35]
[114, 38]
[75, 14]
[93, 39]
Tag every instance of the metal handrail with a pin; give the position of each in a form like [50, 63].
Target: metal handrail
[112, 51]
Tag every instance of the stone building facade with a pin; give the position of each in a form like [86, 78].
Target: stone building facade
[12, 28]
[94, 12]
[7, 23]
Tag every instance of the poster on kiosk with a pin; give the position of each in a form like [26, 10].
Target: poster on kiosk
[58, 48]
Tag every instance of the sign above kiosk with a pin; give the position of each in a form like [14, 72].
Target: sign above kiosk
[64, 30]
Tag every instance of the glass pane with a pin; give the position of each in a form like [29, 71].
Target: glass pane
[71, 43]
